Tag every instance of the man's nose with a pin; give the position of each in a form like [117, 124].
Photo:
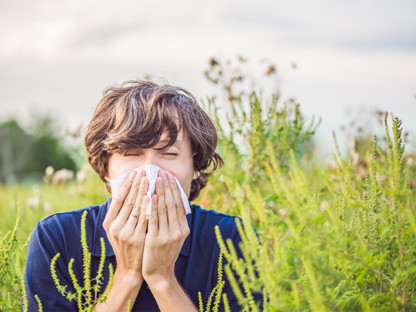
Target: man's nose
[151, 158]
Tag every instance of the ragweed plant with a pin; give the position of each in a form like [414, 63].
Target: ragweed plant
[11, 272]
[377, 216]
[83, 294]
[216, 293]
[249, 121]
[337, 239]
[346, 245]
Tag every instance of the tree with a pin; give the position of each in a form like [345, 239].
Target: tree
[24, 155]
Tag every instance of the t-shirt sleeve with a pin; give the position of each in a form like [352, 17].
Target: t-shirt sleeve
[44, 244]
[232, 299]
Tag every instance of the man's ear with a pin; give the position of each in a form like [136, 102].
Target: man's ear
[196, 175]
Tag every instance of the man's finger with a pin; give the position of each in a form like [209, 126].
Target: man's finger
[161, 205]
[134, 215]
[144, 185]
[142, 222]
[180, 209]
[153, 225]
[118, 200]
[170, 202]
[130, 199]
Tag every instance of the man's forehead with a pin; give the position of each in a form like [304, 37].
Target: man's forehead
[165, 138]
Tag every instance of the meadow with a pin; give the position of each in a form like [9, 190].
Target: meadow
[334, 237]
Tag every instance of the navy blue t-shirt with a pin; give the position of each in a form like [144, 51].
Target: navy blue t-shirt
[196, 267]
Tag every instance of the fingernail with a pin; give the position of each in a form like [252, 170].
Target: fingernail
[163, 173]
[132, 175]
[160, 181]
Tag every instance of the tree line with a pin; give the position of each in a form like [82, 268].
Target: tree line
[26, 151]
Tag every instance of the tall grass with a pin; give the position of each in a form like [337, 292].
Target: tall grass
[339, 239]
[36, 202]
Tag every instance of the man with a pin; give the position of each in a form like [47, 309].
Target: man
[162, 256]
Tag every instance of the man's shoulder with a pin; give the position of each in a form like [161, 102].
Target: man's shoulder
[71, 220]
[209, 214]
[61, 232]
[206, 220]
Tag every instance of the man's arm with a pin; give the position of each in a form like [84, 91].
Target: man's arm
[171, 297]
[125, 288]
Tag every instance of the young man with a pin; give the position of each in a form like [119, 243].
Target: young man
[162, 255]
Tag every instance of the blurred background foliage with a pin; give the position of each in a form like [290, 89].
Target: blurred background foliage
[27, 151]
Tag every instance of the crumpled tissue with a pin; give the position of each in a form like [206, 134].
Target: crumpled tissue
[151, 174]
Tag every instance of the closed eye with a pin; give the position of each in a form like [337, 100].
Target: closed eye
[132, 154]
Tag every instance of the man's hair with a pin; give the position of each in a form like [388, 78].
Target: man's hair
[136, 114]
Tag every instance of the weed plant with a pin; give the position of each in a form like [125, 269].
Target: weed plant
[12, 255]
[338, 239]
[84, 296]
[340, 243]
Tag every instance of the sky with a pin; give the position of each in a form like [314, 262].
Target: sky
[351, 57]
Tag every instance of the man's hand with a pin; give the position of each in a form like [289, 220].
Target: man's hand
[125, 224]
[167, 231]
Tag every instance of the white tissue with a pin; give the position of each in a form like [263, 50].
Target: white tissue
[151, 174]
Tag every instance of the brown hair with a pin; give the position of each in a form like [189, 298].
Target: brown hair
[137, 113]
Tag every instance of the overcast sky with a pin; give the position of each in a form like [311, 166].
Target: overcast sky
[57, 56]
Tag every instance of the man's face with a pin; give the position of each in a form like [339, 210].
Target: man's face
[177, 160]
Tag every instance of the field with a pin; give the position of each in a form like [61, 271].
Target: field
[334, 237]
